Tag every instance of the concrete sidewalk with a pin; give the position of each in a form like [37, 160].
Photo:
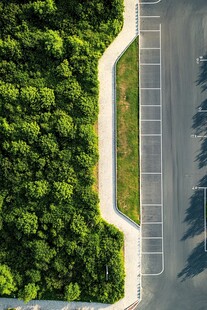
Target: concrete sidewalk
[107, 155]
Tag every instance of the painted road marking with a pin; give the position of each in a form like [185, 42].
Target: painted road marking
[150, 16]
[149, 30]
[150, 64]
[153, 173]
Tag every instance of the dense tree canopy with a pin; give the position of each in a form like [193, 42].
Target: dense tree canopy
[54, 243]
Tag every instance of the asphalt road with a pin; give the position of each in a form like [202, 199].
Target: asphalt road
[183, 283]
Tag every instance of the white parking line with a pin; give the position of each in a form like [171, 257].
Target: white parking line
[150, 16]
[150, 134]
[150, 105]
[152, 253]
[151, 88]
[153, 223]
[149, 30]
[153, 2]
[152, 204]
[148, 238]
[151, 173]
[150, 64]
[149, 48]
[150, 120]
[154, 173]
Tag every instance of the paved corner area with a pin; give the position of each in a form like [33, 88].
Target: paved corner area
[107, 180]
[151, 145]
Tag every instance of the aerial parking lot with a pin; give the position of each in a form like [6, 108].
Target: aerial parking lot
[173, 118]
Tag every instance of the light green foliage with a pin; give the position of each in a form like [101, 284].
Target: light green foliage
[53, 43]
[7, 284]
[29, 292]
[27, 223]
[64, 70]
[47, 97]
[63, 190]
[10, 48]
[72, 292]
[37, 189]
[44, 7]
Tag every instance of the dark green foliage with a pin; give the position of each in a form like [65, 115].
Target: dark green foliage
[54, 243]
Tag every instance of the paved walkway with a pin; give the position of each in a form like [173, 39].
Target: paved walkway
[107, 180]
[107, 169]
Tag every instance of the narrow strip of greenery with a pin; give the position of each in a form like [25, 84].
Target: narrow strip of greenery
[127, 133]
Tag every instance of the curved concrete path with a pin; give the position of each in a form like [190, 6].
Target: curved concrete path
[107, 180]
[107, 153]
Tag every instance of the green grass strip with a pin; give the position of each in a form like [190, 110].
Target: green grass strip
[128, 133]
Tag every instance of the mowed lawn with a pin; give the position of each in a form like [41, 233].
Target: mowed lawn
[128, 133]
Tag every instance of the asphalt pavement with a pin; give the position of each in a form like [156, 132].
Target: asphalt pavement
[178, 84]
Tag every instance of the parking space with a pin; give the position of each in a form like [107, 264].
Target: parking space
[151, 161]
[151, 213]
[150, 96]
[150, 76]
[151, 230]
[152, 245]
[151, 146]
[150, 188]
[149, 56]
[149, 39]
[152, 263]
[152, 127]
[150, 112]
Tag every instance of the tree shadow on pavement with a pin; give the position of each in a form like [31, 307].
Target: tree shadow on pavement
[202, 155]
[200, 119]
[196, 263]
[202, 77]
[195, 213]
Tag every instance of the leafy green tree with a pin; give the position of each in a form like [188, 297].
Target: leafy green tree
[72, 292]
[7, 284]
[65, 125]
[53, 43]
[63, 69]
[27, 223]
[33, 275]
[47, 97]
[63, 190]
[42, 253]
[37, 189]
[29, 292]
